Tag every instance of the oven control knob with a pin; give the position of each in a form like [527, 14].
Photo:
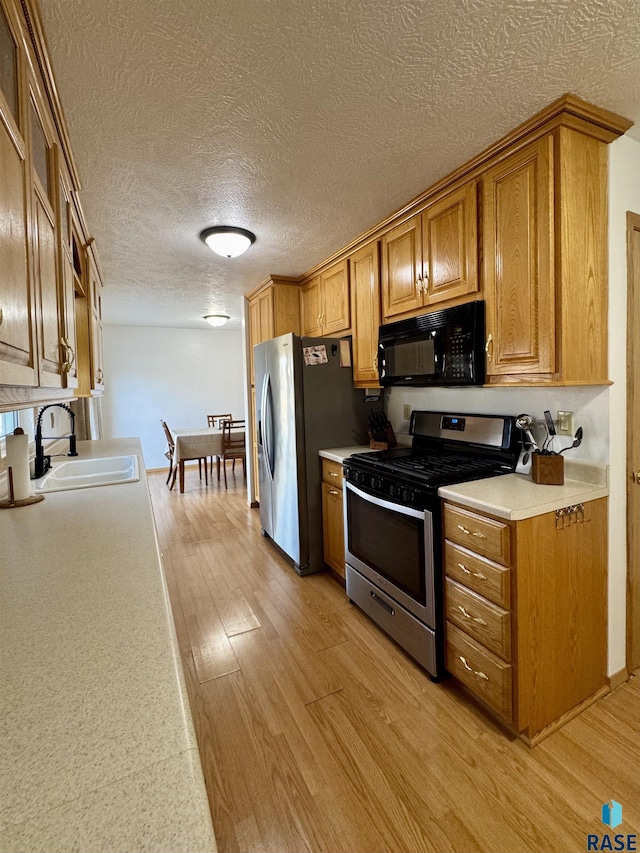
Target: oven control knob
[359, 478]
[376, 483]
[408, 495]
[394, 490]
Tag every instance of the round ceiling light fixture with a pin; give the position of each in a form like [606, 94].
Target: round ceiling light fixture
[216, 319]
[227, 241]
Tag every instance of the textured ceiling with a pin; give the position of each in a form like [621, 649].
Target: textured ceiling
[305, 121]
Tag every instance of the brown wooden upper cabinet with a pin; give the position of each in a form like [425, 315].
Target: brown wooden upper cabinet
[325, 304]
[274, 310]
[18, 358]
[46, 252]
[433, 256]
[365, 313]
[518, 262]
[41, 317]
[545, 261]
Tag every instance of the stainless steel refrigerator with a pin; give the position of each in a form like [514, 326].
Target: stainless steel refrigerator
[305, 402]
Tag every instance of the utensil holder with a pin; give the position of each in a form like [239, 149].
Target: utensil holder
[547, 469]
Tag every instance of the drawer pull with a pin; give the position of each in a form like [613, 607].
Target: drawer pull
[479, 673]
[467, 615]
[473, 574]
[333, 492]
[332, 474]
[382, 604]
[469, 533]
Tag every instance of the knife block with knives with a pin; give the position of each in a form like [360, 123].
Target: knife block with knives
[381, 434]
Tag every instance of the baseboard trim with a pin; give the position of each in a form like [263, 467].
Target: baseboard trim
[618, 678]
[535, 739]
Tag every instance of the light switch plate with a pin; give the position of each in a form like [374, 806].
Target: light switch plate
[564, 424]
[406, 411]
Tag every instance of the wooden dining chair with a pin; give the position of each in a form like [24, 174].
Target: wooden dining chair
[170, 453]
[215, 422]
[233, 446]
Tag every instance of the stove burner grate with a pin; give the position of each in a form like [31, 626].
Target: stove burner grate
[430, 468]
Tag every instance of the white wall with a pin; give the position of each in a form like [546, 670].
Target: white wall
[601, 411]
[179, 375]
[624, 195]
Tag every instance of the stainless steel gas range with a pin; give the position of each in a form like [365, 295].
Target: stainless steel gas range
[393, 521]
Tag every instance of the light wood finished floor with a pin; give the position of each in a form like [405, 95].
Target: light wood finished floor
[318, 734]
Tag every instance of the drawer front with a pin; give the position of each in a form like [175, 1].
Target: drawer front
[484, 674]
[332, 472]
[483, 535]
[487, 579]
[488, 623]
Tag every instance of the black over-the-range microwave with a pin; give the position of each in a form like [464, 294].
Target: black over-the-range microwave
[440, 348]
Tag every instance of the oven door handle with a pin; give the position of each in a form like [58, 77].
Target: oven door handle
[390, 505]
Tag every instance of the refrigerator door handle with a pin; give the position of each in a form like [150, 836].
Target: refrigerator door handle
[267, 432]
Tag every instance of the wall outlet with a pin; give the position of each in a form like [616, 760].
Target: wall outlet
[406, 411]
[564, 424]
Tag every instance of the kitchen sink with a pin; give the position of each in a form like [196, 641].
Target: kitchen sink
[86, 473]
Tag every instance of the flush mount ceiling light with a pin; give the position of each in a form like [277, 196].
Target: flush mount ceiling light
[216, 319]
[227, 241]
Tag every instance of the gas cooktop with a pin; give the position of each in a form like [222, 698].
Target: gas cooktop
[447, 448]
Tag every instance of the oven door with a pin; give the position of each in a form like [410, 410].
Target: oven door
[392, 546]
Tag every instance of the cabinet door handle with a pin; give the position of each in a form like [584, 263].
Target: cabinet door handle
[475, 533]
[318, 319]
[635, 475]
[1, 316]
[70, 355]
[419, 284]
[488, 347]
[467, 571]
[479, 673]
[333, 492]
[99, 375]
[467, 615]
[332, 474]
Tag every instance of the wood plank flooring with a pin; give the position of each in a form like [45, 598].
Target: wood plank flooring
[318, 734]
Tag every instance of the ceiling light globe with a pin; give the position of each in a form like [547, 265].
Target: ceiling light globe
[216, 319]
[227, 241]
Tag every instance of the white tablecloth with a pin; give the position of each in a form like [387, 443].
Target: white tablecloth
[196, 443]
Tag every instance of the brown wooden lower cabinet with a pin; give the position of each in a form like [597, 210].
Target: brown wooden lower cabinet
[332, 515]
[526, 612]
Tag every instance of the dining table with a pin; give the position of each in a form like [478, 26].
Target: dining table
[197, 443]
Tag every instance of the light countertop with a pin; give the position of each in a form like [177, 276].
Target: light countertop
[97, 750]
[515, 496]
[339, 454]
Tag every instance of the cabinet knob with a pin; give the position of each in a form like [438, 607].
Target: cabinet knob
[635, 476]
[419, 284]
[488, 347]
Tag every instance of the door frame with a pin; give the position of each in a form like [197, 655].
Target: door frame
[633, 439]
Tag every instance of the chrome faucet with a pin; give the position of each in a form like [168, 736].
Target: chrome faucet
[43, 462]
